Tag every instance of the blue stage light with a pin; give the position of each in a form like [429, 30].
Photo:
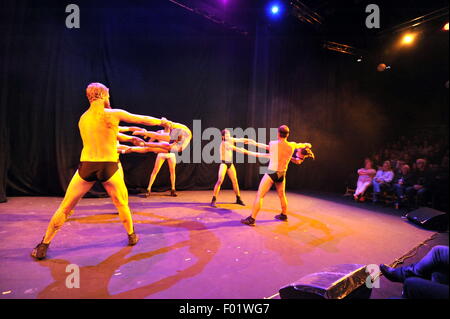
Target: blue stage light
[275, 9]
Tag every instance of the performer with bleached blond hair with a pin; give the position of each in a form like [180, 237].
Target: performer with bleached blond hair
[99, 129]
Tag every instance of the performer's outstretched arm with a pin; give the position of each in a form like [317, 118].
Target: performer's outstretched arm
[124, 129]
[130, 139]
[251, 142]
[302, 145]
[247, 152]
[125, 149]
[127, 117]
[161, 136]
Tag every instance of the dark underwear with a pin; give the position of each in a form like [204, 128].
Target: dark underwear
[97, 171]
[228, 164]
[277, 177]
[177, 138]
[177, 145]
[177, 148]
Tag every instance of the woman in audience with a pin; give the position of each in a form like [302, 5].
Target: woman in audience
[366, 175]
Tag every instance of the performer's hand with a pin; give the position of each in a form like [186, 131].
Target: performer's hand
[134, 129]
[165, 122]
[142, 132]
[123, 149]
[137, 141]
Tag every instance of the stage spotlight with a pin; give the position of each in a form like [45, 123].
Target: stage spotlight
[408, 38]
[274, 9]
[445, 27]
[359, 59]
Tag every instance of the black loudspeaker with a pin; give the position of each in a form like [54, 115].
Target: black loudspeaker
[336, 282]
[429, 218]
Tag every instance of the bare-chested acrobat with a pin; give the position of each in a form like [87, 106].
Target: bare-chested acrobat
[99, 128]
[281, 152]
[227, 146]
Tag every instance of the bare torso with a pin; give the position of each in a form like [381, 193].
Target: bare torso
[99, 128]
[226, 151]
[280, 155]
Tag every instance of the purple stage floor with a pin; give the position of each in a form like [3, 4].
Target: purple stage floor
[190, 250]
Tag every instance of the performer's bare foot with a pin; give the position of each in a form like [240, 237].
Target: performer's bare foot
[213, 202]
[239, 201]
[250, 221]
[40, 251]
[282, 217]
[172, 193]
[133, 239]
[148, 193]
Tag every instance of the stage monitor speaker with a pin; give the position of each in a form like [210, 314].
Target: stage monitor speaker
[429, 218]
[336, 282]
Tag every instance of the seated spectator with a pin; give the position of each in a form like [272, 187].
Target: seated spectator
[398, 167]
[402, 180]
[426, 279]
[382, 180]
[421, 180]
[366, 175]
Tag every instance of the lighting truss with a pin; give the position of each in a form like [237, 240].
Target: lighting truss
[305, 14]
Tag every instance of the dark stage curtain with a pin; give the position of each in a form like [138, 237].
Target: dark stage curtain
[161, 60]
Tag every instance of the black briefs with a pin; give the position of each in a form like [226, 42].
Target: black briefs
[228, 164]
[277, 177]
[97, 171]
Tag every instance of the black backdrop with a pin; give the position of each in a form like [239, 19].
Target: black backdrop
[161, 60]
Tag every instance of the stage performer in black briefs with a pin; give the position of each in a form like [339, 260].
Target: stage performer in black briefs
[227, 146]
[99, 128]
[281, 153]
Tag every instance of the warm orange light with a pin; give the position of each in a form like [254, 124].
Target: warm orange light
[408, 38]
[445, 28]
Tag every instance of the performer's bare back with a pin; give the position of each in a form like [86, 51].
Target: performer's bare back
[99, 129]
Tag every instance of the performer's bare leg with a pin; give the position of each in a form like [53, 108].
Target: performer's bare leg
[172, 161]
[75, 191]
[281, 190]
[116, 189]
[264, 186]
[220, 178]
[233, 177]
[158, 163]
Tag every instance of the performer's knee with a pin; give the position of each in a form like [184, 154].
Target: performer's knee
[60, 218]
[120, 201]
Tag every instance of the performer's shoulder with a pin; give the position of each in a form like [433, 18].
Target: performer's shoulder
[114, 111]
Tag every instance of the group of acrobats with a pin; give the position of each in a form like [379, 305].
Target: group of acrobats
[101, 136]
